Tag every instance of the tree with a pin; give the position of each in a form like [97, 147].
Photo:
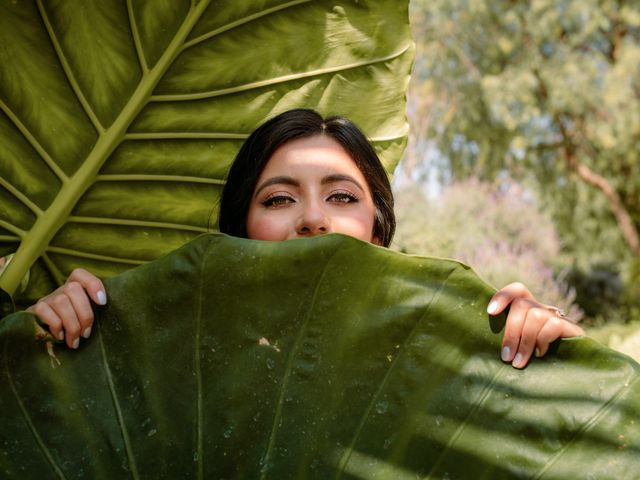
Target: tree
[550, 90]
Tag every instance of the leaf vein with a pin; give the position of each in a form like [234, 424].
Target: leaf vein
[136, 38]
[289, 367]
[31, 139]
[199, 421]
[588, 424]
[26, 201]
[27, 418]
[404, 347]
[9, 238]
[484, 395]
[66, 68]
[158, 178]
[12, 228]
[242, 21]
[277, 80]
[137, 223]
[55, 271]
[116, 404]
[186, 136]
[94, 256]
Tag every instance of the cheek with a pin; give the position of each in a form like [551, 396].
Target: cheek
[266, 226]
[359, 225]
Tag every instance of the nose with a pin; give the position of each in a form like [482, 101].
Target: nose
[313, 221]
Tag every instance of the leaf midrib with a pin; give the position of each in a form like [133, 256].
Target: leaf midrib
[403, 348]
[289, 366]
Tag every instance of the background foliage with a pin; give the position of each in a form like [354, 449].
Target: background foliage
[491, 229]
[546, 93]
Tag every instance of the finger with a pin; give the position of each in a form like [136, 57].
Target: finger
[554, 329]
[506, 296]
[49, 317]
[535, 321]
[63, 307]
[513, 327]
[92, 284]
[81, 306]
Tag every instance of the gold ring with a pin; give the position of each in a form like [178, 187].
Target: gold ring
[557, 312]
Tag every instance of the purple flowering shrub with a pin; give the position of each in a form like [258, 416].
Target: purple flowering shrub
[497, 230]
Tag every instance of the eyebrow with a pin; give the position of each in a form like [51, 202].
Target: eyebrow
[279, 180]
[285, 180]
[339, 177]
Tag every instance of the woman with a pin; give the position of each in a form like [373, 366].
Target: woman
[299, 175]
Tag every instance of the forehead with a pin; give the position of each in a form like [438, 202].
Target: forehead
[319, 153]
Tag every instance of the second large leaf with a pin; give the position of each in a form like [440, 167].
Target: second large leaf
[118, 120]
[314, 358]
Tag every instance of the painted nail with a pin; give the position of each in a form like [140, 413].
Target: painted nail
[102, 298]
[506, 354]
[492, 308]
[61, 335]
[517, 362]
[87, 332]
[76, 343]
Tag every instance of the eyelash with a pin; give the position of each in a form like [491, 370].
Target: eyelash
[279, 200]
[343, 197]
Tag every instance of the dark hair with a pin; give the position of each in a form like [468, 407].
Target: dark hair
[299, 123]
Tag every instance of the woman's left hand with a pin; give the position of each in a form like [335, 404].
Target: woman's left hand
[531, 326]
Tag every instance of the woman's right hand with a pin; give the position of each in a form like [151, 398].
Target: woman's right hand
[67, 310]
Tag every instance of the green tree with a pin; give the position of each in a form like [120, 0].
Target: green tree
[549, 89]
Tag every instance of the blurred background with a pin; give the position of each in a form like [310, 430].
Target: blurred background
[524, 153]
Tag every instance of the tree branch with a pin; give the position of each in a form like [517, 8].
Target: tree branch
[625, 222]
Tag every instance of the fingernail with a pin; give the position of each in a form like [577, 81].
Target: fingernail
[506, 354]
[537, 352]
[492, 308]
[61, 335]
[102, 298]
[76, 343]
[87, 332]
[517, 362]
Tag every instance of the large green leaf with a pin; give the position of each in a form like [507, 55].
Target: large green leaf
[317, 358]
[119, 119]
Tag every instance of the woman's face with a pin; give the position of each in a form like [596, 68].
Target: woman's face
[311, 186]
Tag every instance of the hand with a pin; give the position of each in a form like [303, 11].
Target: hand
[531, 325]
[67, 310]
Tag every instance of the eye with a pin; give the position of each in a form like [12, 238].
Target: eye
[277, 200]
[343, 197]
